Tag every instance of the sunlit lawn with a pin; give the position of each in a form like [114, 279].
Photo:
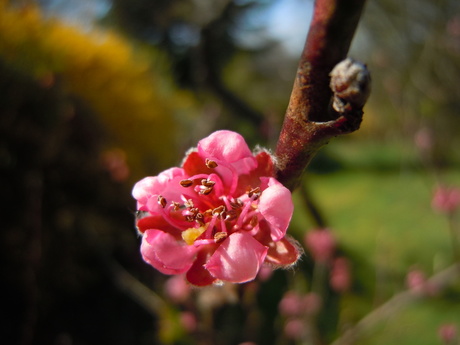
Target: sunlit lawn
[378, 204]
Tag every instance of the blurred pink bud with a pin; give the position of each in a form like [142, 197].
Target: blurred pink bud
[177, 288]
[446, 199]
[114, 161]
[248, 343]
[188, 321]
[424, 139]
[294, 329]
[312, 303]
[453, 26]
[321, 244]
[417, 282]
[447, 333]
[340, 279]
[265, 273]
[295, 304]
[291, 304]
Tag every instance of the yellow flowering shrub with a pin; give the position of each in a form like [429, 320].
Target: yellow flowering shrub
[121, 83]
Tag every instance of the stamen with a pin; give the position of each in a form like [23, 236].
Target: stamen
[204, 241]
[207, 183]
[210, 227]
[255, 192]
[226, 201]
[175, 205]
[207, 213]
[186, 183]
[243, 214]
[223, 227]
[218, 211]
[189, 203]
[199, 219]
[236, 204]
[231, 215]
[162, 201]
[220, 236]
[211, 164]
[191, 214]
[206, 191]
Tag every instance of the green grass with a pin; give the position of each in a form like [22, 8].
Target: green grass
[378, 204]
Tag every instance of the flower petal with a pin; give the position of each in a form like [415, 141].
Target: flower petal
[165, 253]
[238, 259]
[224, 145]
[198, 275]
[154, 185]
[276, 207]
[284, 252]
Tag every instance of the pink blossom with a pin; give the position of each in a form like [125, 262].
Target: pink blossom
[418, 283]
[114, 161]
[219, 217]
[294, 329]
[321, 244]
[446, 199]
[291, 304]
[340, 278]
[188, 321]
[295, 304]
[177, 288]
[447, 333]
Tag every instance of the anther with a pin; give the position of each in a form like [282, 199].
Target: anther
[207, 183]
[186, 183]
[207, 213]
[220, 236]
[231, 215]
[206, 191]
[199, 218]
[218, 210]
[254, 193]
[175, 205]
[236, 204]
[189, 203]
[162, 201]
[211, 164]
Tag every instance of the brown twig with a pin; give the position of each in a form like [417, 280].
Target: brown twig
[310, 120]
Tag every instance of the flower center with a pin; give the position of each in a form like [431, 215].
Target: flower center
[214, 217]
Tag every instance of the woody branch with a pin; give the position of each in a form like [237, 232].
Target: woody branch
[325, 101]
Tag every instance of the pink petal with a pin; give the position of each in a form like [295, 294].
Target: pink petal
[165, 253]
[224, 145]
[142, 190]
[276, 207]
[154, 185]
[284, 252]
[238, 259]
[198, 275]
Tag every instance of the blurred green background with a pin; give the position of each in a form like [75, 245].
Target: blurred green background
[96, 94]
